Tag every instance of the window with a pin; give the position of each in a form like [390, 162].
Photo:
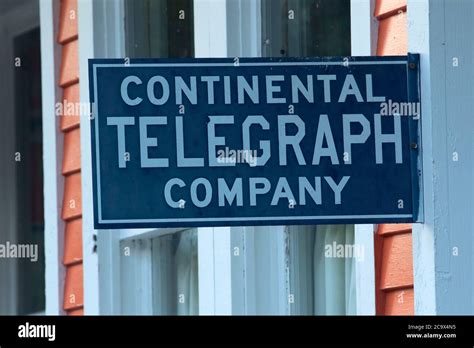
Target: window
[244, 270]
[175, 263]
[166, 263]
[306, 28]
[159, 28]
[22, 268]
[29, 171]
[168, 266]
[321, 282]
[316, 284]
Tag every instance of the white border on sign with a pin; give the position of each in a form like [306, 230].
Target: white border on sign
[246, 218]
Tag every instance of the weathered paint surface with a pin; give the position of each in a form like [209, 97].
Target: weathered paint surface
[441, 32]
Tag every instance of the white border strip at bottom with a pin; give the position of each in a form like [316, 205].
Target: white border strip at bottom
[258, 218]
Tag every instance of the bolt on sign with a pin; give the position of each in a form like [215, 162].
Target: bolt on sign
[216, 142]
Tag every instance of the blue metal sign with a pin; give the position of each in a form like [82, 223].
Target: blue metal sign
[215, 142]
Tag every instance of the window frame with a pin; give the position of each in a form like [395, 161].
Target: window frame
[103, 35]
[364, 30]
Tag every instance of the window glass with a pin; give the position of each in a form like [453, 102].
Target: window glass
[29, 174]
[322, 275]
[175, 274]
[160, 275]
[306, 28]
[161, 29]
[318, 284]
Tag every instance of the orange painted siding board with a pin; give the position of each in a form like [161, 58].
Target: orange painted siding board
[385, 8]
[399, 302]
[393, 242]
[69, 72]
[78, 311]
[72, 200]
[69, 124]
[68, 21]
[386, 229]
[69, 116]
[390, 281]
[72, 151]
[378, 256]
[73, 290]
[393, 35]
[397, 262]
[73, 242]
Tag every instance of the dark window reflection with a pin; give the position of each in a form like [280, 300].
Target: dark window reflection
[29, 172]
[306, 28]
[159, 28]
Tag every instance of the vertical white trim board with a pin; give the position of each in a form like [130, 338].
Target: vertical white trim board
[443, 246]
[87, 36]
[364, 28]
[52, 157]
[101, 34]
